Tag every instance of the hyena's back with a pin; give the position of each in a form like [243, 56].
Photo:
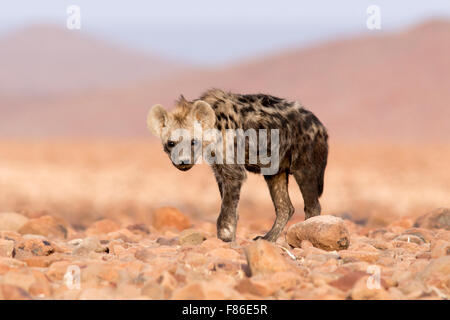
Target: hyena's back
[303, 138]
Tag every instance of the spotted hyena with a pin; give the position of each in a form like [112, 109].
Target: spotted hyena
[301, 149]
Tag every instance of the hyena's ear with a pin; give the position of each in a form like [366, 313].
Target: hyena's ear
[156, 119]
[204, 114]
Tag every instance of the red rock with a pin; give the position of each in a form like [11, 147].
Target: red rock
[128, 291]
[442, 234]
[19, 277]
[437, 274]
[86, 245]
[224, 253]
[408, 246]
[257, 287]
[305, 244]
[412, 289]
[361, 245]
[102, 227]
[7, 264]
[10, 235]
[46, 226]
[11, 221]
[168, 282]
[195, 259]
[167, 242]
[117, 247]
[362, 291]
[36, 246]
[97, 294]
[170, 218]
[41, 286]
[123, 234]
[264, 257]
[440, 248]
[144, 254]
[288, 280]
[191, 237]
[425, 234]
[437, 219]
[389, 236]
[410, 238]
[213, 243]
[324, 232]
[97, 272]
[380, 244]
[404, 223]
[347, 281]
[205, 290]
[58, 269]
[39, 261]
[6, 248]
[12, 292]
[153, 291]
[139, 229]
[423, 255]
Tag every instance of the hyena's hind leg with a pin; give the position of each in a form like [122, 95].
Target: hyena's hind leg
[278, 186]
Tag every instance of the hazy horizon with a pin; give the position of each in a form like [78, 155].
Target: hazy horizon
[205, 33]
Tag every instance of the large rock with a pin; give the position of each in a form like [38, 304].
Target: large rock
[46, 226]
[86, 245]
[325, 232]
[362, 291]
[6, 248]
[264, 257]
[102, 227]
[41, 286]
[170, 218]
[437, 219]
[12, 292]
[36, 246]
[202, 290]
[7, 264]
[348, 280]
[11, 221]
[355, 256]
[191, 237]
[224, 254]
[440, 248]
[437, 274]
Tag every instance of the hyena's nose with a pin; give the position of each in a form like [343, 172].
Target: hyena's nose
[183, 162]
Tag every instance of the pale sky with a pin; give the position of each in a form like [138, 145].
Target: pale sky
[214, 32]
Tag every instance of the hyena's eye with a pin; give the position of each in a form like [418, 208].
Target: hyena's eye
[194, 142]
[171, 144]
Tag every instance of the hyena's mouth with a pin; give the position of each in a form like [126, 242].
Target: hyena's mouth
[183, 167]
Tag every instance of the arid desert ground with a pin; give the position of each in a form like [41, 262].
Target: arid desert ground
[92, 208]
[138, 228]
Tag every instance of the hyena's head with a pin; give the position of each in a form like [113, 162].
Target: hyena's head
[178, 129]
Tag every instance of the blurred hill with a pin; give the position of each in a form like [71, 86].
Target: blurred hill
[44, 59]
[389, 87]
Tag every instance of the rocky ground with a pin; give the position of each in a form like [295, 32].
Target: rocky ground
[94, 211]
[177, 257]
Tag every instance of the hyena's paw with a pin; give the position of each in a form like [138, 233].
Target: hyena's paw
[226, 234]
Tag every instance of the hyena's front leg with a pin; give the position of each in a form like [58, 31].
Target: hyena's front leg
[230, 183]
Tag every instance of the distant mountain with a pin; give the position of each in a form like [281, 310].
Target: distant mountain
[390, 87]
[45, 59]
